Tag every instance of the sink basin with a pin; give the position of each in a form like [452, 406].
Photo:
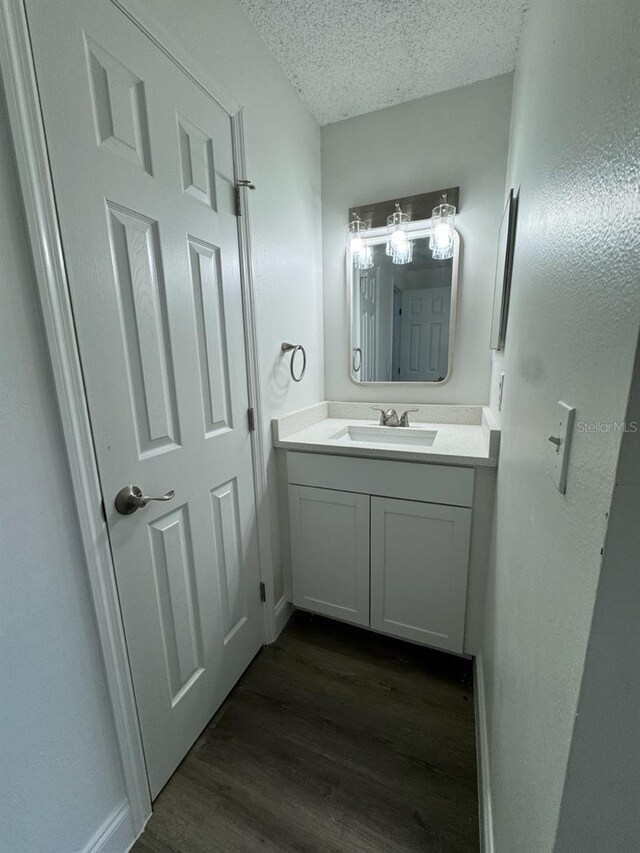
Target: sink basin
[406, 436]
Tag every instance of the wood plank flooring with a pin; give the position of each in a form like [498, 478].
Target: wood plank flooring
[335, 740]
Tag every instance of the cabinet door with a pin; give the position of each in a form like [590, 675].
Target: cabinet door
[419, 561]
[330, 552]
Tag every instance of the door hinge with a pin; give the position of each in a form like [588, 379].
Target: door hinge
[251, 417]
[246, 184]
[263, 591]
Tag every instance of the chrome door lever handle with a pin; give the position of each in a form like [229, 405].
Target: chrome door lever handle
[130, 498]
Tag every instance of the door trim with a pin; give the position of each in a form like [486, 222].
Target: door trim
[27, 127]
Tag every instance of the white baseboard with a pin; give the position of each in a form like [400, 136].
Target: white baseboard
[482, 747]
[283, 611]
[116, 834]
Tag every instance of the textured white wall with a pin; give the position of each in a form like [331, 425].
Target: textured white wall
[283, 160]
[600, 804]
[459, 137]
[573, 325]
[60, 777]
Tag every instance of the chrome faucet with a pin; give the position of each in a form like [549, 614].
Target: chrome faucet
[390, 417]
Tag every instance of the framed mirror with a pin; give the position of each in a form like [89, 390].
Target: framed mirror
[403, 316]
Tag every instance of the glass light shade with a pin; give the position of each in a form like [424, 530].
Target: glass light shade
[357, 245]
[364, 260]
[403, 253]
[441, 239]
[399, 246]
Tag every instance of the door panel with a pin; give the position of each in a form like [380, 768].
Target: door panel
[229, 552]
[330, 552]
[419, 565]
[196, 160]
[135, 252]
[175, 579]
[211, 334]
[119, 109]
[143, 171]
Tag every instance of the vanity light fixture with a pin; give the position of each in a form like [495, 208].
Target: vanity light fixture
[399, 246]
[442, 220]
[357, 244]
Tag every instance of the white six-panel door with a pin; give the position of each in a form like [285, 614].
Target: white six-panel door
[143, 173]
[426, 315]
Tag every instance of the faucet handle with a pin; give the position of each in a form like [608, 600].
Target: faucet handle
[404, 419]
[383, 415]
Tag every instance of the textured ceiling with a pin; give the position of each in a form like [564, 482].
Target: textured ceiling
[348, 57]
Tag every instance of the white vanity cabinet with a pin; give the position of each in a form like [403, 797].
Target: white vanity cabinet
[382, 544]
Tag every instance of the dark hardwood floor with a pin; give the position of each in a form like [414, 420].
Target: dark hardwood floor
[334, 740]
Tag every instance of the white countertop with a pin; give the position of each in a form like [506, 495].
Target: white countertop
[472, 442]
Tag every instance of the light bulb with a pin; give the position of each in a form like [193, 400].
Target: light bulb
[357, 246]
[442, 236]
[399, 241]
[364, 260]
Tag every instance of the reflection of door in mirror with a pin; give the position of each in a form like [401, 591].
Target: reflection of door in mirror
[424, 349]
[368, 316]
[373, 329]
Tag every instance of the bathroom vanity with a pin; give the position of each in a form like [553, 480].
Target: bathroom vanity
[388, 513]
[383, 520]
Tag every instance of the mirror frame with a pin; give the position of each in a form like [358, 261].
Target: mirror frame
[504, 270]
[375, 236]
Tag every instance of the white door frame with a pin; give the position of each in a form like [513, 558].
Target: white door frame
[18, 70]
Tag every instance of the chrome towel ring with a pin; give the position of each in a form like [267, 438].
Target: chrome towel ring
[295, 349]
